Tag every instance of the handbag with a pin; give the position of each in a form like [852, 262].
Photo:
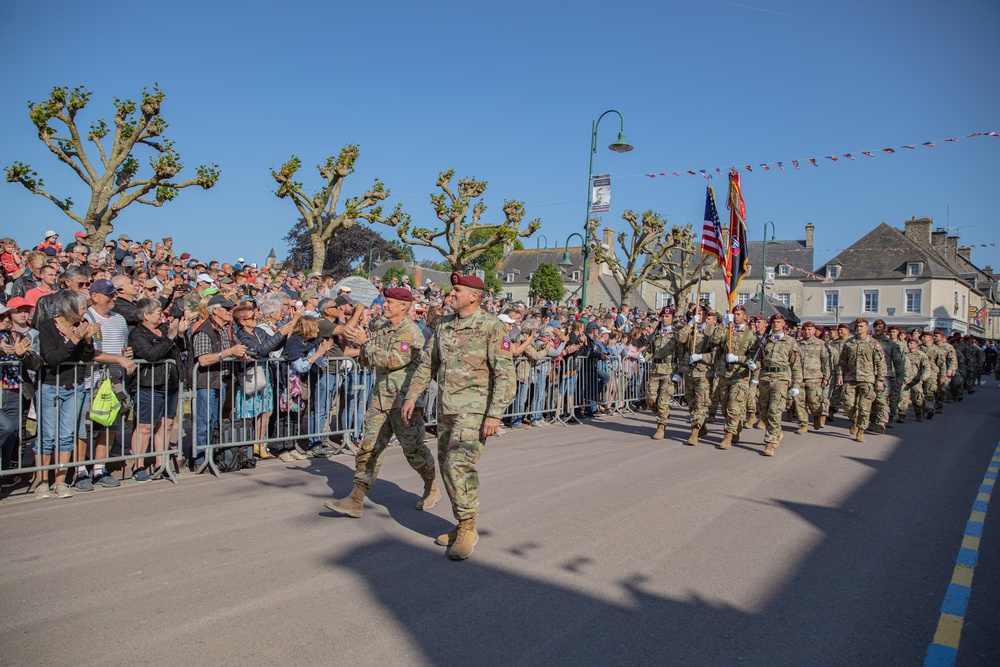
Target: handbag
[105, 406]
[253, 379]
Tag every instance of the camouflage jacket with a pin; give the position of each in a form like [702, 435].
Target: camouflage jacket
[779, 361]
[894, 364]
[936, 356]
[744, 344]
[470, 358]
[918, 368]
[394, 353]
[664, 350]
[951, 359]
[706, 344]
[815, 359]
[861, 361]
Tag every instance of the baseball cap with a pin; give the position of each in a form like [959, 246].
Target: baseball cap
[18, 302]
[49, 232]
[124, 237]
[205, 278]
[150, 284]
[81, 234]
[103, 286]
[505, 318]
[219, 300]
[344, 300]
[128, 261]
[240, 260]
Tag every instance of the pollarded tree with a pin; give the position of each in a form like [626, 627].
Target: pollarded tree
[547, 283]
[648, 251]
[114, 179]
[685, 265]
[460, 246]
[319, 210]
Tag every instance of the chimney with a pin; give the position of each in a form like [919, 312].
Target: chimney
[609, 238]
[988, 269]
[951, 248]
[919, 231]
[939, 239]
[810, 230]
[965, 252]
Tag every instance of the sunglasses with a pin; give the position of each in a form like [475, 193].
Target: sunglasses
[84, 284]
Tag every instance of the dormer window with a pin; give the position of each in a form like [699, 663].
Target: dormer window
[575, 277]
[914, 269]
[832, 272]
[510, 277]
[783, 269]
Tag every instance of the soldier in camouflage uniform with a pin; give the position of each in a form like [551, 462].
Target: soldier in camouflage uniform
[937, 358]
[779, 374]
[956, 385]
[861, 372]
[895, 391]
[815, 359]
[841, 335]
[393, 350]
[662, 351]
[696, 359]
[759, 327]
[883, 407]
[918, 373]
[739, 344]
[470, 357]
[947, 362]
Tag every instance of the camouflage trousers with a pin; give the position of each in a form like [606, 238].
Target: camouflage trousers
[460, 444]
[858, 399]
[659, 392]
[752, 399]
[809, 401]
[914, 394]
[956, 386]
[836, 399]
[881, 410]
[772, 396]
[697, 393]
[895, 391]
[379, 427]
[940, 391]
[734, 397]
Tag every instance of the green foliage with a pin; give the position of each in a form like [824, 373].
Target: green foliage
[402, 251]
[493, 284]
[547, 283]
[488, 260]
[435, 265]
[395, 272]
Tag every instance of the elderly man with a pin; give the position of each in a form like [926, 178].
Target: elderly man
[393, 351]
[470, 356]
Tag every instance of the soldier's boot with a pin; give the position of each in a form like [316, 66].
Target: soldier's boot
[431, 494]
[938, 410]
[739, 431]
[928, 413]
[920, 416]
[817, 422]
[822, 421]
[901, 417]
[658, 435]
[880, 428]
[854, 428]
[768, 449]
[703, 431]
[465, 541]
[781, 436]
[801, 430]
[351, 505]
[860, 437]
[448, 538]
[752, 420]
[693, 440]
[760, 423]
[727, 441]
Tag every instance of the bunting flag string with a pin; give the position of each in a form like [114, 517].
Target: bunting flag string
[766, 166]
[964, 245]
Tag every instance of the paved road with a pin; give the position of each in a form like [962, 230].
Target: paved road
[599, 546]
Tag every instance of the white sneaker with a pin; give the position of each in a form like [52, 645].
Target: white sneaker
[43, 491]
[287, 457]
[62, 490]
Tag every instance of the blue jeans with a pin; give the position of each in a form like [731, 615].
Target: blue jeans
[59, 413]
[324, 395]
[207, 405]
[353, 411]
[518, 406]
[538, 394]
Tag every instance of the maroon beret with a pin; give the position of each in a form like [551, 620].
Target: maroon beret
[808, 324]
[777, 316]
[739, 307]
[893, 328]
[666, 310]
[878, 322]
[860, 320]
[398, 293]
[467, 281]
[844, 325]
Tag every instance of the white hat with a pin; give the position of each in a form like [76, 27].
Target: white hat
[254, 265]
[428, 281]
[605, 330]
[49, 233]
[5, 309]
[345, 290]
[205, 278]
[505, 318]
[239, 260]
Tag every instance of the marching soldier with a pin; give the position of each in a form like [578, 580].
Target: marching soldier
[701, 347]
[758, 326]
[861, 372]
[734, 377]
[918, 373]
[663, 351]
[895, 389]
[841, 335]
[956, 385]
[884, 408]
[470, 357]
[937, 358]
[393, 350]
[779, 374]
[815, 358]
[947, 363]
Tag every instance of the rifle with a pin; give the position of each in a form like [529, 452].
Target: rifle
[760, 343]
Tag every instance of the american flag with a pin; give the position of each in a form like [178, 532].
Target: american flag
[711, 234]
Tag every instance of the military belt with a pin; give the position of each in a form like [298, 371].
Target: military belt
[775, 369]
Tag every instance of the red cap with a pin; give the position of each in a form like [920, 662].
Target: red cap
[878, 322]
[18, 302]
[860, 320]
[467, 281]
[666, 310]
[777, 316]
[81, 235]
[916, 330]
[808, 324]
[397, 293]
[927, 333]
[185, 255]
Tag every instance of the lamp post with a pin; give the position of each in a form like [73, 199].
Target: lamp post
[370, 251]
[620, 146]
[566, 261]
[763, 261]
[538, 242]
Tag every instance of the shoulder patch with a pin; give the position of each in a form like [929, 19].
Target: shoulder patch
[505, 344]
[404, 346]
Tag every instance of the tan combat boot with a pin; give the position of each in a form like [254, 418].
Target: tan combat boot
[817, 422]
[658, 435]
[703, 431]
[860, 437]
[752, 420]
[693, 440]
[448, 538]
[727, 441]
[822, 421]
[466, 540]
[802, 429]
[880, 428]
[351, 505]
[431, 494]
[768, 449]
[854, 428]
[760, 423]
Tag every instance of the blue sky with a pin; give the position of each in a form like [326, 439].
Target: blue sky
[506, 92]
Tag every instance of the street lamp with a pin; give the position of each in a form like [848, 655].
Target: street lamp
[370, 251]
[620, 146]
[763, 261]
[538, 247]
[566, 261]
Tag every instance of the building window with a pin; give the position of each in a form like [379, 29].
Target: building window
[913, 297]
[706, 298]
[869, 301]
[664, 300]
[510, 277]
[914, 269]
[575, 277]
[531, 275]
[833, 272]
[783, 269]
[784, 298]
[831, 301]
[510, 296]
[742, 298]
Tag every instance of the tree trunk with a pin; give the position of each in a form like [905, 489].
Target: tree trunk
[319, 253]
